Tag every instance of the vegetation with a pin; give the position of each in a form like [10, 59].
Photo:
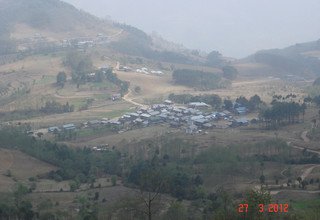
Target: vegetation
[214, 100]
[254, 103]
[288, 61]
[229, 72]
[112, 77]
[198, 79]
[53, 107]
[15, 205]
[283, 113]
[61, 79]
[215, 59]
[80, 64]
[82, 165]
[138, 43]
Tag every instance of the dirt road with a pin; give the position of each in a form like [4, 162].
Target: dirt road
[305, 137]
[130, 100]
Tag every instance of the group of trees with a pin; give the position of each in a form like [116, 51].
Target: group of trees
[153, 176]
[199, 79]
[61, 79]
[229, 72]
[80, 64]
[53, 107]
[113, 78]
[252, 104]
[214, 100]
[81, 165]
[282, 113]
[15, 206]
[215, 59]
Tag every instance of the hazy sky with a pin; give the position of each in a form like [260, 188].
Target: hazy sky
[236, 28]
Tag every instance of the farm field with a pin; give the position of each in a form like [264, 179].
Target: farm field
[21, 168]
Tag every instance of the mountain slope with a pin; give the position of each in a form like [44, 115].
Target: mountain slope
[55, 20]
[49, 14]
[300, 59]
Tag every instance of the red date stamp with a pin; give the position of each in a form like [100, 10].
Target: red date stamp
[270, 208]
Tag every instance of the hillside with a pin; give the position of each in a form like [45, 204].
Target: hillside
[301, 60]
[47, 16]
[23, 22]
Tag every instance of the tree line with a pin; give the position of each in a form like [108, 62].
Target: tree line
[81, 66]
[252, 104]
[282, 113]
[213, 100]
[54, 107]
[199, 79]
[82, 165]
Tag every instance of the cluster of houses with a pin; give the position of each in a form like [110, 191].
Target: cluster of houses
[143, 70]
[193, 118]
[84, 42]
[146, 71]
[81, 43]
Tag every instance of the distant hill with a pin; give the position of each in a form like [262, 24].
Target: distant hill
[57, 20]
[300, 60]
[48, 15]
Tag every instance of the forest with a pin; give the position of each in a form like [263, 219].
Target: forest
[199, 79]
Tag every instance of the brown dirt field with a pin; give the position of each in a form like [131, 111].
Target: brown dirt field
[151, 86]
[25, 166]
[21, 166]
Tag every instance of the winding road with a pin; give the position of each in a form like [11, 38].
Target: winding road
[130, 100]
[306, 172]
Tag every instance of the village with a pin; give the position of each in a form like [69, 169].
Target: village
[193, 118]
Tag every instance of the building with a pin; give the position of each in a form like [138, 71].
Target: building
[192, 129]
[241, 110]
[53, 129]
[116, 97]
[168, 102]
[240, 122]
[94, 123]
[115, 122]
[198, 105]
[69, 127]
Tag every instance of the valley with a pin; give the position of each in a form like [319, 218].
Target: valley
[99, 120]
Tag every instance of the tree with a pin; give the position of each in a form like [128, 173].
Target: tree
[243, 101]
[61, 79]
[137, 89]
[214, 58]
[229, 72]
[228, 105]
[254, 102]
[176, 211]
[80, 65]
[262, 179]
[198, 79]
[254, 198]
[39, 134]
[151, 180]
